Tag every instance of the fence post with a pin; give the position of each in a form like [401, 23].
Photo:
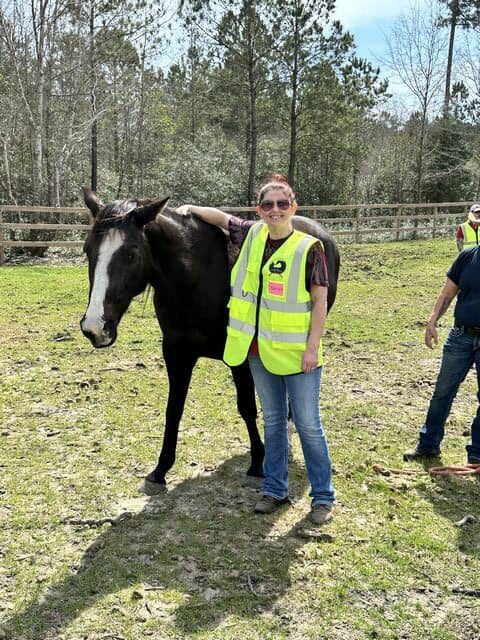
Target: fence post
[434, 228]
[398, 217]
[357, 225]
[2, 238]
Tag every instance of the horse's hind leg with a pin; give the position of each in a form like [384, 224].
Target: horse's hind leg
[179, 363]
[248, 410]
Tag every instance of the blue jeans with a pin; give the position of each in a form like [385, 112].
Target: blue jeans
[303, 390]
[460, 351]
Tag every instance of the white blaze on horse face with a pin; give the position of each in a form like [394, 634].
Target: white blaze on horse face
[93, 320]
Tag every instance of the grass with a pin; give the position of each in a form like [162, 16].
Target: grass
[81, 427]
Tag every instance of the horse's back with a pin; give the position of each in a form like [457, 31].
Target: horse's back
[332, 255]
[191, 282]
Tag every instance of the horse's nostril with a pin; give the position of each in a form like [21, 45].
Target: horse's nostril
[89, 335]
[109, 327]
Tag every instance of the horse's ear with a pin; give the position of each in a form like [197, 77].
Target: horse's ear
[144, 215]
[92, 201]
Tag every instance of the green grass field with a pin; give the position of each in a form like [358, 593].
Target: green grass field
[81, 427]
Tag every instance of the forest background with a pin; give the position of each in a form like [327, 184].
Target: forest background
[253, 87]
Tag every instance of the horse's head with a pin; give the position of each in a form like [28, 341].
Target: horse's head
[118, 262]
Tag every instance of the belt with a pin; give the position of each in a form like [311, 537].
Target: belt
[471, 331]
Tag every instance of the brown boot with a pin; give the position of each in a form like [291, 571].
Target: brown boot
[321, 513]
[269, 504]
[419, 453]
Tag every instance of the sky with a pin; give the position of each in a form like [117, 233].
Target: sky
[370, 22]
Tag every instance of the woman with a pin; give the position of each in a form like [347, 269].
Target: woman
[277, 310]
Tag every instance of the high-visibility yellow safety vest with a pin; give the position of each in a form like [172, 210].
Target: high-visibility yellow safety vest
[284, 304]
[470, 238]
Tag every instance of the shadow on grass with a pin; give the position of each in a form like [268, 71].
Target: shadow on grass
[198, 545]
[454, 498]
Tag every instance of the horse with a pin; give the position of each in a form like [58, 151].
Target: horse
[134, 243]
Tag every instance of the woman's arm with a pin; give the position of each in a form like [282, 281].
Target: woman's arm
[447, 294]
[319, 314]
[208, 214]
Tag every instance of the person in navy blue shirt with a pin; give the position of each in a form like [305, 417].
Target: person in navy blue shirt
[461, 350]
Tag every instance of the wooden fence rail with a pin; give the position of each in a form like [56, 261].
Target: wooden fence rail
[401, 221]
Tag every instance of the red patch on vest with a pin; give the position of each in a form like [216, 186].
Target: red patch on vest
[275, 288]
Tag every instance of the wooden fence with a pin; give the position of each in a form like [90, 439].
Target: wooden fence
[354, 223]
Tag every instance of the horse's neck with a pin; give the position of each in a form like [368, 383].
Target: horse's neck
[185, 251]
[171, 251]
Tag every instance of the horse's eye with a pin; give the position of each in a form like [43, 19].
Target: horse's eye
[131, 256]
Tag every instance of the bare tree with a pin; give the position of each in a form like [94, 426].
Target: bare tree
[416, 55]
[469, 62]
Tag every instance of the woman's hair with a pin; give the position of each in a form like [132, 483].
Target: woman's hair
[277, 181]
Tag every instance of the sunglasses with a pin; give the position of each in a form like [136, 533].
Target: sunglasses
[267, 205]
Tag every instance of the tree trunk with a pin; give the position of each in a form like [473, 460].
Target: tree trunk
[193, 112]
[49, 164]
[93, 102]
[420, 154]
[292, 159]
[454, 11]
[141, 117]
[37, 151]
[6, 164]
[253, 125]
[253, 149]
[115, 120]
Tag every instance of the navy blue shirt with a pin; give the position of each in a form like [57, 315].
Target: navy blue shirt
[465, 273]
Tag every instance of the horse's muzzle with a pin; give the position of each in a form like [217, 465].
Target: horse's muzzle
[105, 337]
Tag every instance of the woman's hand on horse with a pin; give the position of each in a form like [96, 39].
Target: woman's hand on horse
[183, 210]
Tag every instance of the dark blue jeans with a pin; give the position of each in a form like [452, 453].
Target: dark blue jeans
[460, 351]
[303, 390]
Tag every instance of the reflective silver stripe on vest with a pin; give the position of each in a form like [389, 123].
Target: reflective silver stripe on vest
[244, 327]
[246, 295]
[286, 307]
[236, 289]
[283, 336]
[276, 305]
[294, 279]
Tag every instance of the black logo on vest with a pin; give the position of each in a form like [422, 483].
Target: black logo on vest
[277, 267]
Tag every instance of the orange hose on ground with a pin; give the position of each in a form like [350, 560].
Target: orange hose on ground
[455, 470]
[449, 470]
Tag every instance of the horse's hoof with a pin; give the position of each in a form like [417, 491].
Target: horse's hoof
[150, 488]
[254, 482]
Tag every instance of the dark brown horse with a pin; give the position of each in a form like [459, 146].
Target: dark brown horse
[134, 243]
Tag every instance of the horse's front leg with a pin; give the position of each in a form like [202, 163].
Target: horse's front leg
[179, 363]
[248, 410]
